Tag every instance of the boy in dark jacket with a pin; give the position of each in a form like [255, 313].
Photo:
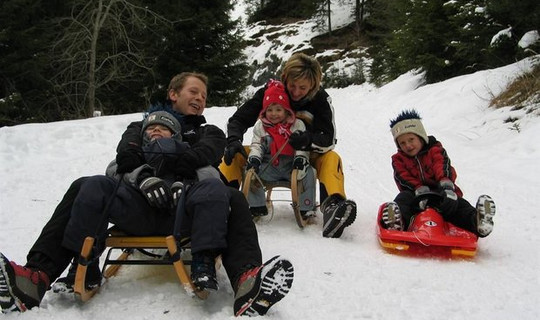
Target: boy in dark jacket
[216, 217]
[420, 165]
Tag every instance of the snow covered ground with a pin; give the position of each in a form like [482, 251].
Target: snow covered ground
[346, 278]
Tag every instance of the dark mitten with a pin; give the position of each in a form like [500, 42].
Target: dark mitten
[176, 190]
[232, 149]
[128, 160]
[300, 140]
[448, 188]
[421, 190]
[255, 163]
[302, 164]
[156, 192]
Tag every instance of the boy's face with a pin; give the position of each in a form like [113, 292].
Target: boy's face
[275, 113]
[157, 131]
[191, 99]
[410, 143]
[298, 89]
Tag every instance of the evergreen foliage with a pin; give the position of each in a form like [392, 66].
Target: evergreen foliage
[45, 63]
[273, 9]
[446, 38]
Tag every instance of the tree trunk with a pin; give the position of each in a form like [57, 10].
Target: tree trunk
[329, 19]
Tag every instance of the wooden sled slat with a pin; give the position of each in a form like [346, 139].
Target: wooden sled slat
[294, 186]
[80, 277]
[127, 244]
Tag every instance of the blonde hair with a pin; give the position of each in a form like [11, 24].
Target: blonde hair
[302, 66]
[179, 80]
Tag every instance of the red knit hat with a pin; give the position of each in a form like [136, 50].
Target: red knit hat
[275, 93]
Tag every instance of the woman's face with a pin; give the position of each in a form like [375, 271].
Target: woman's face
[299, 88]
[191, 99]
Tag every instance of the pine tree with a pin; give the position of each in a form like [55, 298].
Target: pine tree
[26, 29]
[205, 40]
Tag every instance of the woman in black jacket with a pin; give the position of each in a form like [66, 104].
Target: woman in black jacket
[302, 78]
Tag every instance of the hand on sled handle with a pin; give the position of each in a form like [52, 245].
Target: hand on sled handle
[176, 190]
[302, 164]
[421, 190]
[450, 194]
[448, 187]
[156, 192]
[300, 140]
[446, 184]
[255, 163]
[232, 149]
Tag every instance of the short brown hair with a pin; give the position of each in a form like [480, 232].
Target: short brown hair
[302, 66]
[179, 80]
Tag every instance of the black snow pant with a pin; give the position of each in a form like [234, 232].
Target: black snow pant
[206, 220]
[458, 212]
[47, 253]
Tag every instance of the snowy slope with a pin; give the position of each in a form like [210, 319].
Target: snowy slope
[347, 278]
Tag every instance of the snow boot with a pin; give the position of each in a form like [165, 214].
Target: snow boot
[391, 217]
[259, 288]
[21, 288]
[203, 270]
[92, 280]
[485, 210]
[258, 211]
[338, 213]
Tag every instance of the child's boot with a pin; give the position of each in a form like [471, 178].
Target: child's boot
[203, 270]
[391, 216]
[485, 210]
[93, 278]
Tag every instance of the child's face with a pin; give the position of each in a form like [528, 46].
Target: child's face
[410, 143]
[157, 131]
[275, 113]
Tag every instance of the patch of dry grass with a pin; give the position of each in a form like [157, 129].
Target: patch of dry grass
[524, 92]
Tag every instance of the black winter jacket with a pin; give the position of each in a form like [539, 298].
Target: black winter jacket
[317, 114]
[207, 141]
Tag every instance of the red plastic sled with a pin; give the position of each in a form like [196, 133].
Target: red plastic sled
[428, 234]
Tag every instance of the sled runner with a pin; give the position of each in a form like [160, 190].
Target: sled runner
[427, 234]
[128, 244]
[252, 179]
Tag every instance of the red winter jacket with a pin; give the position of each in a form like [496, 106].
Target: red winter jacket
[427, 168]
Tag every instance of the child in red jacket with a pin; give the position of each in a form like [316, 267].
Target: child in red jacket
[421, 165]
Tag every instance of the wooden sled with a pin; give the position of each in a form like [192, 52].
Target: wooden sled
[296, 188]
[128, 244]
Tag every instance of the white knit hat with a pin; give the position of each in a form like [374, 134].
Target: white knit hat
[408, 122]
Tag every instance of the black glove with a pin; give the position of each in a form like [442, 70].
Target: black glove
[300, 140]
[176, 190]
[156, 192]
[233, 148]
[128, 160]
[421, 190]
[448, 188]
[302, 164]
[255, 163]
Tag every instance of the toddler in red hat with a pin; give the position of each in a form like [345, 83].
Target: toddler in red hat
[271, 156]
